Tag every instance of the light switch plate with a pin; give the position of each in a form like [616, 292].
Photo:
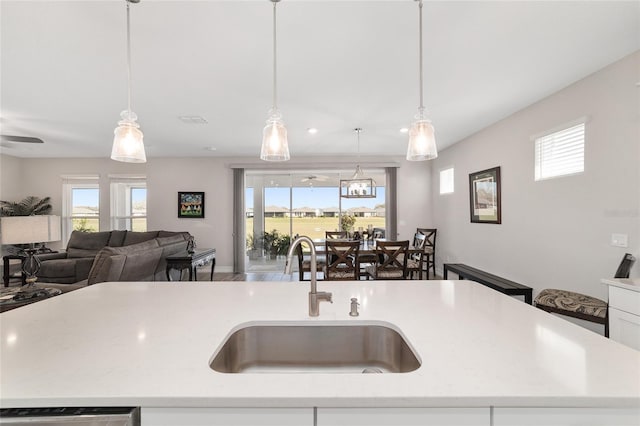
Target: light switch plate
[619, 240]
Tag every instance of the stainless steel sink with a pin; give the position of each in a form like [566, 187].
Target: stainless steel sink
[321, 348]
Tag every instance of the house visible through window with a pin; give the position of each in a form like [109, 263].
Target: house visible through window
[560, 153]
[446, 181]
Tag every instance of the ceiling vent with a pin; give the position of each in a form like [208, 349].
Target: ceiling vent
[193, 119]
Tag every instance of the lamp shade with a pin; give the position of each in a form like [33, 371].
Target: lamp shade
[127, 142]
[275, 146]
[30, 229]
[422, 141]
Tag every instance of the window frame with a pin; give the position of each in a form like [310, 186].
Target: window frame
[69, 184]
[559, 132]
[121, 199]
[452, 180]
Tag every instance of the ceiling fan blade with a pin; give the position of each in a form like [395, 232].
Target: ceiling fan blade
[22, 139]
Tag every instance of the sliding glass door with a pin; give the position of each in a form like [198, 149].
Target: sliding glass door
[280, 205]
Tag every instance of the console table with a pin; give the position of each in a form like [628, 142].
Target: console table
[191, 261]
[495, 282]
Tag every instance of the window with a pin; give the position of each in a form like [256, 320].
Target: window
[560, 153]
[128, 203]
[446, 181]
[81, 205]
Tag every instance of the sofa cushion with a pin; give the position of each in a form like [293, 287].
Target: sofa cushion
[117, 238]
[162, 234]
[86, 244]
[174, 239]
[110, 270]
[138, 237]
[58, 270]
[141, 266]
[98, 267]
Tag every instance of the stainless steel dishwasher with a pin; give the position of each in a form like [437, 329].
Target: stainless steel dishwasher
[75, 416]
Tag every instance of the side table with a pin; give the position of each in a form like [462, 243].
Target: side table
[191, 261]
[6, 273]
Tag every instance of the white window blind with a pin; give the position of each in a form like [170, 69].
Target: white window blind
[560, 153]
[446, 181]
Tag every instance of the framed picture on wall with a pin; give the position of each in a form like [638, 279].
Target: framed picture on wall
[484, 196]
[191, 205]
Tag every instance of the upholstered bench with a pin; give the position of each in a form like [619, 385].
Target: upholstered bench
[574, 304]
[579, 305]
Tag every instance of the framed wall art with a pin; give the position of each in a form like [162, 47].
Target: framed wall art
[191, 205]
[484, 196]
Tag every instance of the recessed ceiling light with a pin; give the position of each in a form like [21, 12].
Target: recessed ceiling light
[404, 130]
[211, 148]
[312, 130]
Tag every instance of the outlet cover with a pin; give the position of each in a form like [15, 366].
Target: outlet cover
[619, 240]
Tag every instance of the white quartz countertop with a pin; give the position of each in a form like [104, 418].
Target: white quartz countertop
[149, 344]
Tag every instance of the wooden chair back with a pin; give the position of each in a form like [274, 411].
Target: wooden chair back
[304, 265]
[429, 248]
[342, 260]
[392, 260]
[336, 235]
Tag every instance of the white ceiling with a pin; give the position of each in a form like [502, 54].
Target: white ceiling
[341, 64]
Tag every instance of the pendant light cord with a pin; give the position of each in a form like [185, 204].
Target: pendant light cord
[128, 60]
[421, 94]
[275, 81]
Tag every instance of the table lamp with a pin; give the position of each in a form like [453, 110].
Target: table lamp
[33, 230]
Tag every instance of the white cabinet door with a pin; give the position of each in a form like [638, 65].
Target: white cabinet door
[566, 416]
[403, 417]
[226, 416]
[624, 328]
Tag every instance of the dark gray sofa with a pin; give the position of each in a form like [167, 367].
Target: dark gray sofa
[86, 253]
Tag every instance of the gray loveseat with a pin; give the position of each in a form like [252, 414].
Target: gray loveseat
[111, 256]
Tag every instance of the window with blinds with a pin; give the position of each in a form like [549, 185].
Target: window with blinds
[560, 153]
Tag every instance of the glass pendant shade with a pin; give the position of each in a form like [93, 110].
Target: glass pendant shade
[275, 146]
[422, 141]
[127, 142]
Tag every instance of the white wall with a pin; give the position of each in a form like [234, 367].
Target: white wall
[213, 176]
[554, 233]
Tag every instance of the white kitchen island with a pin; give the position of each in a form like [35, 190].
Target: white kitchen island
[486, 358]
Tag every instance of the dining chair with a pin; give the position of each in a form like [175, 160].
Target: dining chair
[342, 260]
[391, 261]
[416, 259]
[429, 249]
[336, 235]
[579, 305]
[304, 264]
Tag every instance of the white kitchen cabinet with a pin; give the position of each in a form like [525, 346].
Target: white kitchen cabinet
[403, 417]
[624, 328]
[624, 311]
[566, 416]
[226, 416]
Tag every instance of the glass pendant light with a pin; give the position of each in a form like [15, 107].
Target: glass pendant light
[127, 142]
[359, 186]
[275, 146]
[422, 140]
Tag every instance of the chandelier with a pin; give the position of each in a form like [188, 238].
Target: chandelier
[359, 186]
